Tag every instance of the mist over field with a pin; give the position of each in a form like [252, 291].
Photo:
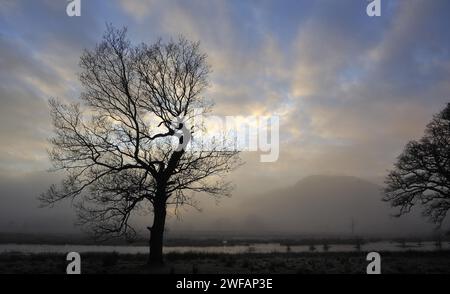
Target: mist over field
[313, 206]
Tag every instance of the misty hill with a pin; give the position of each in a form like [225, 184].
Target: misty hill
[314, 205]
[327, 205]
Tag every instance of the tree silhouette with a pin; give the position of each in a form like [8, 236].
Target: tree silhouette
[126, 149]
[422, 172]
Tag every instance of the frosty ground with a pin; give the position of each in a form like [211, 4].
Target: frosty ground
[413, 262]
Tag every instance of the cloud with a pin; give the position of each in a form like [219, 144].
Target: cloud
[34, 69]
[366, 94]
[138, 9]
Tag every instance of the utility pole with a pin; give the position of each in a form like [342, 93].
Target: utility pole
[353, 226]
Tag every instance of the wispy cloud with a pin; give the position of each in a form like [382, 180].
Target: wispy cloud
[350, 90]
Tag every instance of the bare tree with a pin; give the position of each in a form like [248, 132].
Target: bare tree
[128, 151]
[422, 172]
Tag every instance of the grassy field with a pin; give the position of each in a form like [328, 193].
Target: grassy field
[291, 263]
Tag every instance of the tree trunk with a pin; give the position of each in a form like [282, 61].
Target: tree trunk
[157, 233]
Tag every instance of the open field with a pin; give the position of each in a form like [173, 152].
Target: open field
[437, 262]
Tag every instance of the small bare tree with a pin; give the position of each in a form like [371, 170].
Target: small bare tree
[128, 152]
[422, 172]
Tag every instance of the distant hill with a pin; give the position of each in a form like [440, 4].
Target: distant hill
[314, 205]
[327, 205]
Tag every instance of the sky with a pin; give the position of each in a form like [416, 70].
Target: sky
[350, 90]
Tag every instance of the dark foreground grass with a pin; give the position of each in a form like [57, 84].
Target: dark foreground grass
[437, 262]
